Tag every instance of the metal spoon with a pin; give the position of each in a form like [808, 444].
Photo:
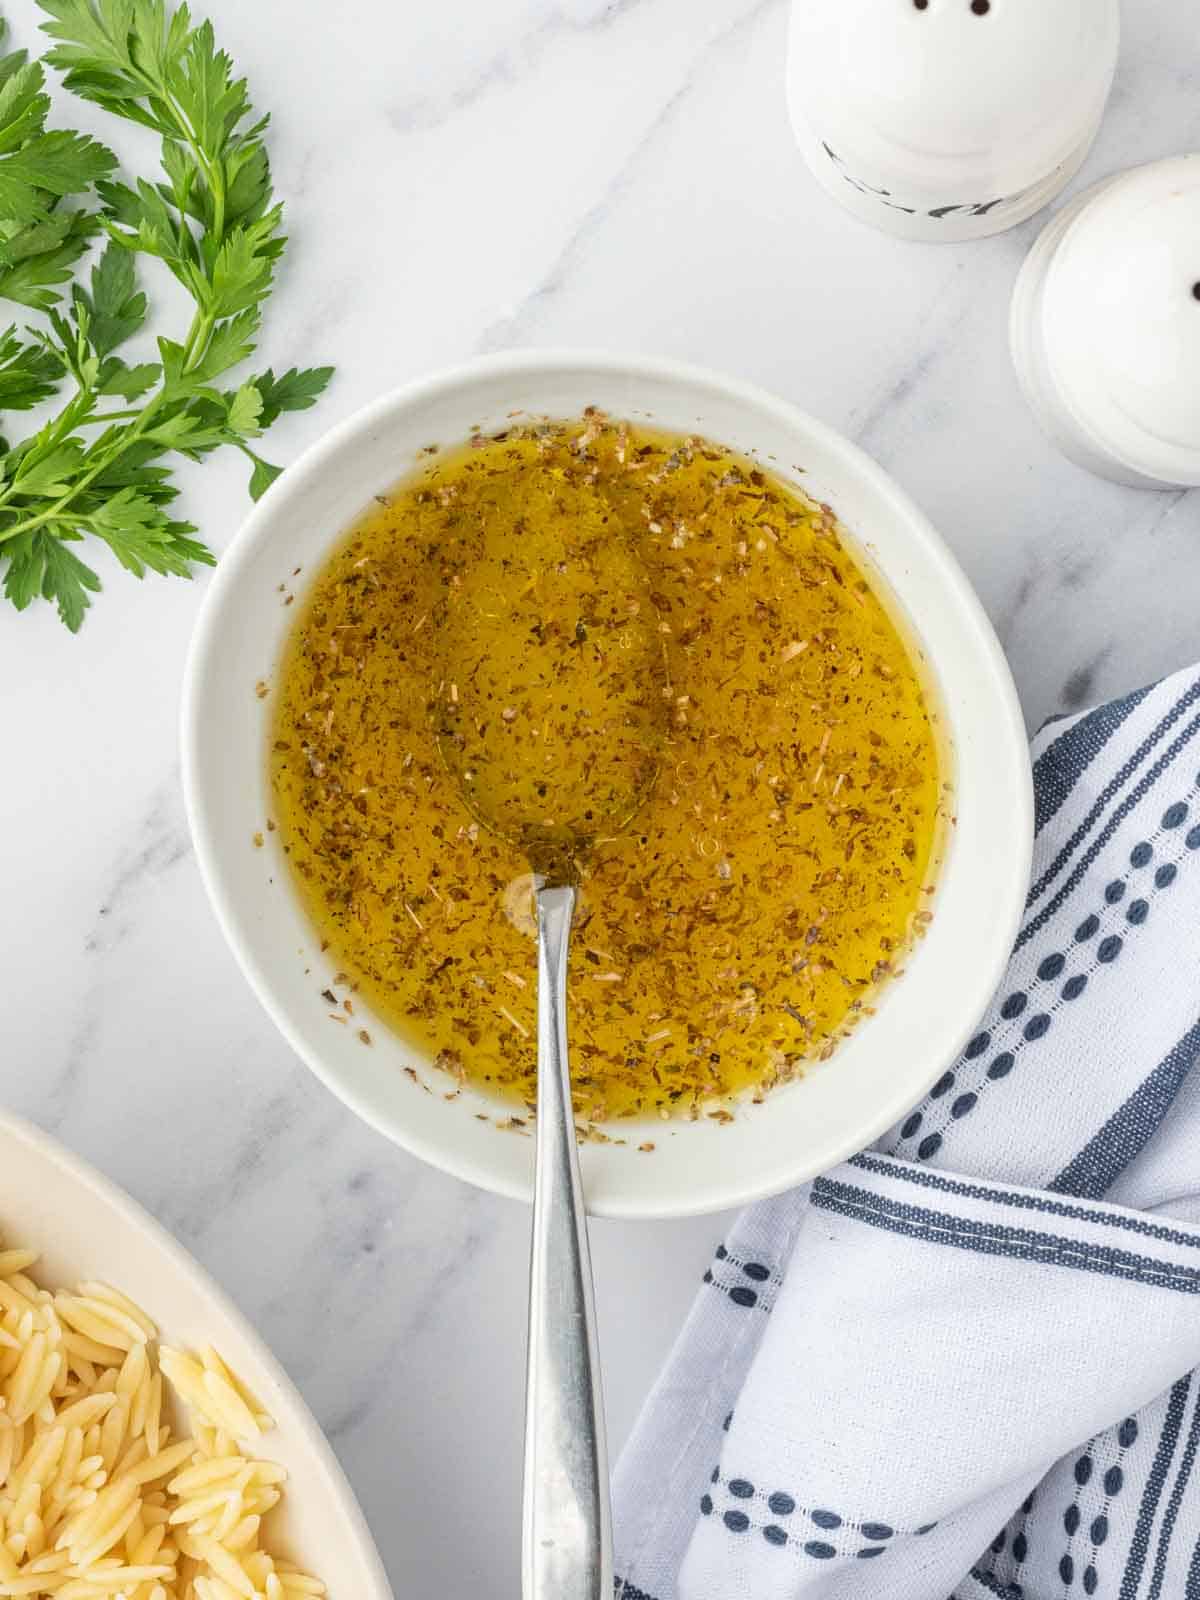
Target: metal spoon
[556, 747]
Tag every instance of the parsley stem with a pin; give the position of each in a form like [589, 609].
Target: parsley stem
[194, 347]
[28, 524]
[197, 340]
[157, 89]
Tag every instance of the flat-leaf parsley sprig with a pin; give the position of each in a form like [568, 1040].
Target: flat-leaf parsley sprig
[100, 468]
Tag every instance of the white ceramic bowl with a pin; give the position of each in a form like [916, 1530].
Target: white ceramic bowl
[85, 1227]
[923, 1020]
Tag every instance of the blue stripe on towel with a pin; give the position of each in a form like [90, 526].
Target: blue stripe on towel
[1140, 1545]
[1135, 795]
[1022, 1244]
[1111, 788]
[1027, 1201]
[1101, 1161]
[1061, 765]
[1192, 1592]
[1181, 1482]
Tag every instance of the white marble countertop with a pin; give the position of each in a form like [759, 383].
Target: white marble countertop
[464, 176]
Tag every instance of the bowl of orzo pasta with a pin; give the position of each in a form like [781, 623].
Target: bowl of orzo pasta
[151, 1447]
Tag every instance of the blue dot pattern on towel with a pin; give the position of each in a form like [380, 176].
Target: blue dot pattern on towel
[1050, 969]
[864, 1540]
[740, 1293]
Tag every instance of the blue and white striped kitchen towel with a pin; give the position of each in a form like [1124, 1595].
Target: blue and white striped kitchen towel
[962, 1364]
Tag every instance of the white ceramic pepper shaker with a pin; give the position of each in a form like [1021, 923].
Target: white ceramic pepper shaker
[1106, 326]
[948, 119]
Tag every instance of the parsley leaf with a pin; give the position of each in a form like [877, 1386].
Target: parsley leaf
[40, 564]
[262, 477]
[52, 163]
[29, 373]
[294, 391]
[40, 241]
[116, 307]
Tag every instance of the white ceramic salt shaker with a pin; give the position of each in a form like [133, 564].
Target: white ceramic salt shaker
[948, 119]
[1106, 326]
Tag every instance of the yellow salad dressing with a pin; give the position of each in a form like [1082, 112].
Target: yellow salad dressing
[778, 870]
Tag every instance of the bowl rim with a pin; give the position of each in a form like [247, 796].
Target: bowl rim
[300, 1417]
[1007, 735]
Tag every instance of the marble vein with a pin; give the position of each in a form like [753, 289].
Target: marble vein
[507, 67]
[159, 843]
[518, 327]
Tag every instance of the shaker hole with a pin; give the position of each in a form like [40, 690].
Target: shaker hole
[981, 7]
[1196, 290]
[921, 5]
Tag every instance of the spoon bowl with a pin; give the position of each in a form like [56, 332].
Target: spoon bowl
[551, 708]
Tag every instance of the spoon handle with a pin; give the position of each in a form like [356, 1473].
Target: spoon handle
[567, 1551]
